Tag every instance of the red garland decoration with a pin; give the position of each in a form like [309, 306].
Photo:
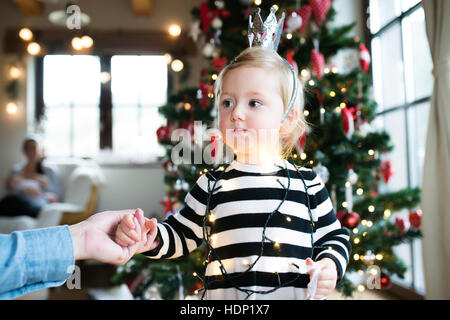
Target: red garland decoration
[320, 10]
[219, 63]
[207, 15]
[317, 63]
[386, 170]
[305, 13]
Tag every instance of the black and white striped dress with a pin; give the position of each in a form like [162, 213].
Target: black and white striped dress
[245, 196]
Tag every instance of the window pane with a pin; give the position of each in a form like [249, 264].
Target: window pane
[418, 62]
[417, 127]
[394, 124]
[71, 97]
[408, 4]
[382, 12]
[139, 87]
[388, 68]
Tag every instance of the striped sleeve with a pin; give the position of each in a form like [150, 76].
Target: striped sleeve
[330, 239]
[181, 233]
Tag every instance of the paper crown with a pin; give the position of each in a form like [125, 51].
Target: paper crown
[267, 34]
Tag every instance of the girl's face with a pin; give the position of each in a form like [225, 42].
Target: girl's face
[250, 111]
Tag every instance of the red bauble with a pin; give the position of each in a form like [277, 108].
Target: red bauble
[340, 215]
[415, 219]
[385, 281]
[401, 224]
[351, 220]
[162, 133]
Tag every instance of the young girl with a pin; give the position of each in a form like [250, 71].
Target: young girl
[268, 224]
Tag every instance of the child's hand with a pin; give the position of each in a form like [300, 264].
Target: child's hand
[326, 281]
[136, 229]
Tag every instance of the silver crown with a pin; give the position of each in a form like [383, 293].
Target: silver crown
[267, 34]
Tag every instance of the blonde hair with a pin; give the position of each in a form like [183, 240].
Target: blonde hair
[268, 59]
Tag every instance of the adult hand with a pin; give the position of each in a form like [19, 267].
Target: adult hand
[93, 238]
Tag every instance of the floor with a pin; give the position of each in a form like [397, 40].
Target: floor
[97, 276]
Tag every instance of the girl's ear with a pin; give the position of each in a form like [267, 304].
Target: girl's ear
[290, 121]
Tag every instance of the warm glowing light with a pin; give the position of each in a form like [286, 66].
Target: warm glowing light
[361, 288]
[387, 213]
[306, 113]
[174, 30]
[34, 48]
[177, 65]
[356, 240]
[355, 230]
[214, 76]
[326, 70]
[332, 94]
[288, 219]
[356, 257]
[289, 36]
[87, 41]
[359, 191]
[257, 2]
[26, 34]
[77, 44]
[379, 257]
[14, 72]
[371, 208]
[311, 83]
[11, 108]
[277, 244]
[105, 77]
[322, 110]
[212, 218]
[303, 156]
[371, 152]
[168, 57]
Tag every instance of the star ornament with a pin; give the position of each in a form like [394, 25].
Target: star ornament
[168, 205]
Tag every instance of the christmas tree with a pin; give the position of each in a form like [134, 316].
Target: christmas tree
[341, 145]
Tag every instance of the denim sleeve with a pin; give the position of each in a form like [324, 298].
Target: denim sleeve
[35, 259]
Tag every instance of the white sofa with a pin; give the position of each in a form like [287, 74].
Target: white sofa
[80, 179]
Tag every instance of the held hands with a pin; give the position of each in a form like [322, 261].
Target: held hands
[95, 238]
[327, 277]
[136, 230]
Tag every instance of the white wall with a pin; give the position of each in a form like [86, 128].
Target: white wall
[126, 187]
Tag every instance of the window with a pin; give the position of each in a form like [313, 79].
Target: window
[139, 87]
[403, 84]
[75, 122]
[71, 97]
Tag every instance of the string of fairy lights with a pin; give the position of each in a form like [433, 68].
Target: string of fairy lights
[209, 238]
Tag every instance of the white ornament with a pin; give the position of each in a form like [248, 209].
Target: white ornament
[195, 31]
[208, 50]
[352, 176]
[322, 172]
[364, 129]
[217, 23]
[294, 22]
[219, 4]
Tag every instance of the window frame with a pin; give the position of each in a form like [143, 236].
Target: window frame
[397, 289]
[105, 101]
